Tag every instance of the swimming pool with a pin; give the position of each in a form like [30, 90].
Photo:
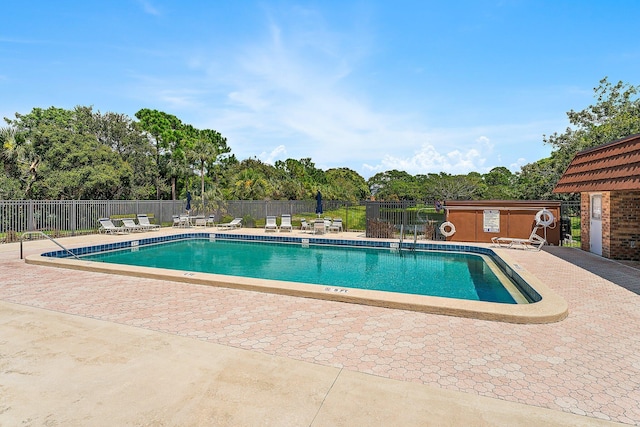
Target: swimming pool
[434, 273]
[544, 305]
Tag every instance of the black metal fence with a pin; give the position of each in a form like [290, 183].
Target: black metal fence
[570, 223]
[404, 218]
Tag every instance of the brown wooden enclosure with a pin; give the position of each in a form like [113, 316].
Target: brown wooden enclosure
[480, 220]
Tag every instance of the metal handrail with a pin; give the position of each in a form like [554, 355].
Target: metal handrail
[48, 237]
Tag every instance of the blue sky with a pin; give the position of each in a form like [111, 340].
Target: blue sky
[420, 86]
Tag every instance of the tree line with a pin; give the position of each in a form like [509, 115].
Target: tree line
[56, 154]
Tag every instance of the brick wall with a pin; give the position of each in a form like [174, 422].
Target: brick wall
[585, 229]
[606, 224]
[624, 227]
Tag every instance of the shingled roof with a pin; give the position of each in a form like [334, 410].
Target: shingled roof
[608, 167]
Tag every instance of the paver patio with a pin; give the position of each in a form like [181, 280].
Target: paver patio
[587, 364]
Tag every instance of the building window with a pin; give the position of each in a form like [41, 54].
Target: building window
[596, 207]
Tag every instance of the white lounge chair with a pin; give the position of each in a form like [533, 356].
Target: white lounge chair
[200, 221]
[336, 225]
[184, 221]
[211, 220]
[236, 223]
[319, 226]
[304, 225]
[107, 227]
[176, 221]
[534, 241]
[285, 223]
[143, 221]
[131, 225]
[271, 224]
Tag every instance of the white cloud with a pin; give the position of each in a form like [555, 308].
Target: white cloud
[429, 160]
[483, 140]
[148, 7]
[278, 153]
[300, 87]
[515, 166]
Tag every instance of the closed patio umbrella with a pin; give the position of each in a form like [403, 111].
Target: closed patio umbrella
[188, 201]
[319, 203]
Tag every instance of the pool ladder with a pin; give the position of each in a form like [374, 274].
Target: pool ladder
[415, 238]
[48, 237]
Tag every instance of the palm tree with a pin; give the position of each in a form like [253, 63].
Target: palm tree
[249, 184]
[204, 148]
[18, 158]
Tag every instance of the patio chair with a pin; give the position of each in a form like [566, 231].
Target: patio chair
[176, 221]
[534, 241]
[304, 225]
[184, 221]
[107, 227]
[143, 221]
[200, 221]
[271, 224]
[285, 223]
[319, 226]
[131, 225]
[211, 220]
[236, 223]
[336, 225]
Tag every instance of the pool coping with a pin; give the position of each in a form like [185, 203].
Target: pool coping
[551, 308]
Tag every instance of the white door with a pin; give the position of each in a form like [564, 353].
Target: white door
[595, 235]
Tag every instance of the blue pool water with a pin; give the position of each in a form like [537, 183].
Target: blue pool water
[445, 274]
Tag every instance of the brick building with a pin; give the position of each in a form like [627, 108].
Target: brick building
[608, 180]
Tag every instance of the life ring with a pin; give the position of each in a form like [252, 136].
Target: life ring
[544, 217]
[452, 229]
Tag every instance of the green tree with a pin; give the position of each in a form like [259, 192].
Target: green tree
[250, 184]
[393, 185]
[120, 133]
[615, 115]
[61, 158]
[204, 148]
[79, 167]
[347, 184]
[499, 184]
[445, 186]
[11, 160]
[297, 179]
[164, 133]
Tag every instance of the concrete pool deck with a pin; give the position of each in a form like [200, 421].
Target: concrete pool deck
[86, 348]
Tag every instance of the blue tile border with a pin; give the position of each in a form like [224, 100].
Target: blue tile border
[525, 287]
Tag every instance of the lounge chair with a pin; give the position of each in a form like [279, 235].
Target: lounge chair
[285, 223]
[184, 221]
[327, 223]
[236, 223]
[336, 225]
[271, 224]
[107, 227]
[304, 225]
[211, 220]
[176, 221]
[534, 241]
[131, 225]
[319, 226]
[143, 221]
[200, 221]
